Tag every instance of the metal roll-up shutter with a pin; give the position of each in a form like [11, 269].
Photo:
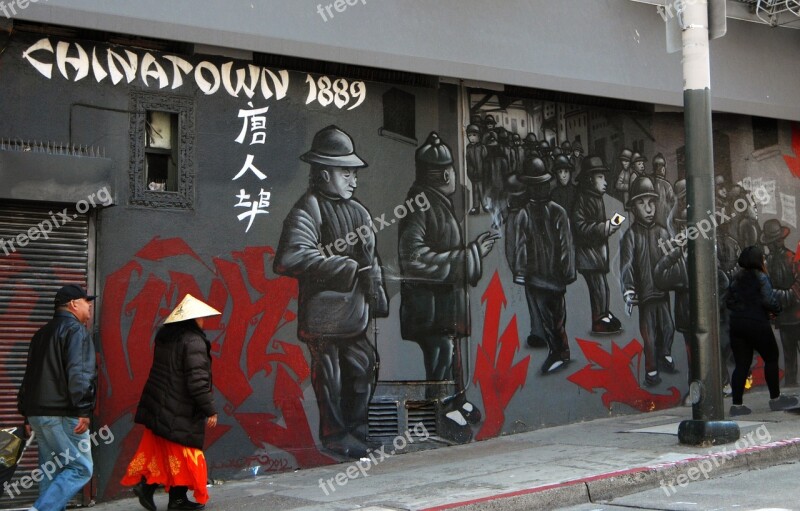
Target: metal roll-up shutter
[29, 277]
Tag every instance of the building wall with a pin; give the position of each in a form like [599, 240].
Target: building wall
[148, 256]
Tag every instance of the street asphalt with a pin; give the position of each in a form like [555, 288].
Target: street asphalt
[593, 461]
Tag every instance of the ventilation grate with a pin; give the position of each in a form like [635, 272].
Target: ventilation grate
[383, 418]
[424, 412]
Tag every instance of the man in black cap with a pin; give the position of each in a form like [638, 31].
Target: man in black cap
[436, 265]
[476, 154]
[576, 158]
[328, 245]
[640, 252]
[591, 230]
[544, 261]
[58, 394]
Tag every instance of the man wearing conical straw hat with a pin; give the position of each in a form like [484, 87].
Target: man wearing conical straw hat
[177, 392]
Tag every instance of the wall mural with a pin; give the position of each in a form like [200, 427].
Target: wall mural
[525, 270]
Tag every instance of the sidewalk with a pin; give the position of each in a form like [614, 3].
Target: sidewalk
[543, 469]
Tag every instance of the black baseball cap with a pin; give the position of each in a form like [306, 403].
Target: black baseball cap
[71, 292]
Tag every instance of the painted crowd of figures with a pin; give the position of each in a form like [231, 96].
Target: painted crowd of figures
[549, 208]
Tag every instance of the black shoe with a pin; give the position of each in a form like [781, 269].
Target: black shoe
[666, 365]
[185, 504]
[534, 341]
[348, 446]
[605, 325]
[454, 427]
[554, 362]
[145, 493]
[471, 413]
[615, 323]
[652, 381]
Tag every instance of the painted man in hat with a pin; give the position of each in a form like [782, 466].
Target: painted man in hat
[640, 252]
[58, 395]
[565, 192]
[591, 229]
[784, 271]
[666, 195]
[436, 265]
[576, 158]
[623, 183]
[544, 261]
[531, 146]
[489, 124]
[495, 172]
[328, 245]
[672, 274]
[476, 154]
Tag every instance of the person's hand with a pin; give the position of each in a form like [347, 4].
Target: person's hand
[612, 228]
[212, 421]
[485, 242]
[83, 425]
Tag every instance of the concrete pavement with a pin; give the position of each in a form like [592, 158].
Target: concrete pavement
[544, 469]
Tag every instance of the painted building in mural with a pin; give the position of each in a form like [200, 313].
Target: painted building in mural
[389, 255]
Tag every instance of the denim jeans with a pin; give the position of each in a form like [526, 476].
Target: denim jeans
[65, 458]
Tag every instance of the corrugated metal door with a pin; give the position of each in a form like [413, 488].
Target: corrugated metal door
[29, 278]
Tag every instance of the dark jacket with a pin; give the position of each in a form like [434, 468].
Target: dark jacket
[476, 153]
[783, 270]
[639, 253]
[436, 266]
[61, 375]
[591, 232]
[178, 397]
[564, 196]
[336, 299]
[750, 296]
[544, 255]
[672, 274]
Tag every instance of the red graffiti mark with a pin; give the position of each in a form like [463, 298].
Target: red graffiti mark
[793, 161]
[614, 373]
[759, 380]
[295, 438]
[496, 374]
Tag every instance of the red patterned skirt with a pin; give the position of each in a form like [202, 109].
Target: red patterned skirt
[160, 461]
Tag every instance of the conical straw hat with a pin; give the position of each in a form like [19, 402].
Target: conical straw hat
[191, 308]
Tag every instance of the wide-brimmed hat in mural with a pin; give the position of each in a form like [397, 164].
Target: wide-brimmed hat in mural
[626, 155]
[332, 146]
[534, 172]
[191, 308]
[638, 157]
[473, 128]
[642, 187]
[774, 231]
[590, 166]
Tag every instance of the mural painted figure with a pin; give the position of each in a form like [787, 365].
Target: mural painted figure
[565, 192]
[666, 195]
[435, 264]
[544, 261]
[640, 252]
[476, 154]
[783, 271]
[339, 290]
[626, 175]
[591, 230]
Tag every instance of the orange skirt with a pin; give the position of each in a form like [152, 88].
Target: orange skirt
[160, 461]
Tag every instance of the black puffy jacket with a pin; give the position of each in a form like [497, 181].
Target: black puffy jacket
[178, 397]
[61, 376]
